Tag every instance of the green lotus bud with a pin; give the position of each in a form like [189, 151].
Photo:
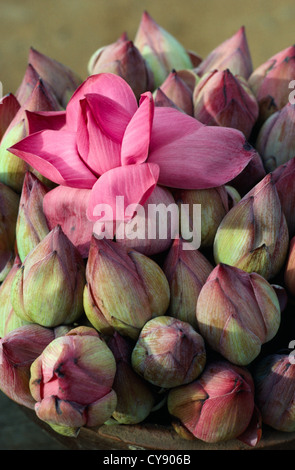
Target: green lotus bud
[124, 288]
[253, 235]
[48, 287]
[31, 225]
[9, 203]
[168, 352]
[187, 272]
[237, 313]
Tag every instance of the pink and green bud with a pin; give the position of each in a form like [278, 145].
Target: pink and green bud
[162, 51]
[169, 352]
[216, 407]
[224, 99]
[253, 235]
[264, 80]
[18, 350]
[9, 203]
[177, 90]
[237, 312]
[284, 179]
[48, 286]
[31, 224]
[274, 378]
[187, 272]
[275, 142]
[8, 109]
[71, 382]
[232, 54]
[135, 398]
[124, 289]
[124, 59]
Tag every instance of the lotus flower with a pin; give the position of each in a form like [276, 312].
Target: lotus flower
[114, 146]
[71, 382]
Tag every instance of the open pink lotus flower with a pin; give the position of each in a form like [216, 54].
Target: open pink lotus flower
[114, 146]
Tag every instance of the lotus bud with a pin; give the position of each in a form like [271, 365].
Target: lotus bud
[270, 82]
[232, 54]
[275, 138]
[135, 398]
[28, 83]
[18, 350]
[176, 89]
[9, 202]
[61, 79]
[252, 174]
[124, 289]
[289, 273]
[284, 179]
[253, 235]
[223, 99]
[162, 51]
[125, 60]
[214, 206]
[71, 382]
[161, 100]
[275, 390]
[217, 406]
[187, 272]
[48, 287]
[8, 109]
[168, 352]
[237, 312]
[31, 225]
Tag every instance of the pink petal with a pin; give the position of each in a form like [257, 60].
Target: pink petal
[193, 156]
[134, 182]
[54, 155]
[9, 106]
[107, 84]
[38, 121]
[136, 140]
[67, 207]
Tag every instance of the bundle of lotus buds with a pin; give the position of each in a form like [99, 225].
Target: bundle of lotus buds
[147, 239]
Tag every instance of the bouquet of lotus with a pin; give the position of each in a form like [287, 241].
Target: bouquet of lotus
[147, 245]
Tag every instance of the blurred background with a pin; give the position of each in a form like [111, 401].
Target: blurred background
[71, 30]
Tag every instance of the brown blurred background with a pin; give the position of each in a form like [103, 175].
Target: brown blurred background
[71, 30]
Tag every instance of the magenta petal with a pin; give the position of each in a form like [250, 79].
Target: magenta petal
[38, 121]
[54, 155]
[193, 156]
[136, 140]
[134, 182]
[107, 84]
[67, 207]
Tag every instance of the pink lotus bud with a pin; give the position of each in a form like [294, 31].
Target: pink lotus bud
[216, 407]
[275, 141]
[71, 382]
[275, 391]
[253, 235]
[284, 179]
[232, 54]
[176, 89]
[18, 349]
[48, 287]
[135, 398]
[31, 225]
[124, 289]
[169, 352]
[187, 272]
[125, 60]
[8, 109]
[162, 51]
[162, 100]
[237, 313]
[252, 174]
[224, 99]
[289, 273]
[9, 203]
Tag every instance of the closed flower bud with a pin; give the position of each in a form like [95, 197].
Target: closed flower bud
[237, 312]
[284, 179]
[177, 90]
[9, 202]
[168, 352]
[216, 407]
[232, 54]
[224, 99]
[253, 235]
[48, 287]
[187, 272]
[160, 49]
[124, 289]
[135, 398]
[275, 391]
[71, 382]
[275, 141]
[8, 109]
